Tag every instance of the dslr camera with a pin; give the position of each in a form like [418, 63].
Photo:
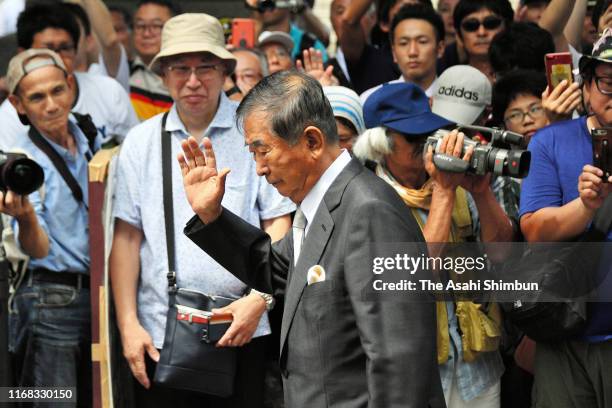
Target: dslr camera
[602, 154]
[19, 174]
[497, 156]
[269, 5]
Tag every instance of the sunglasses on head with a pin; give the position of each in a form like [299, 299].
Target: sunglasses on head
[473, 24]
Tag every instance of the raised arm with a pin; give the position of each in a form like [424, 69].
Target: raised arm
[101, 23]
[352, 38]
[555, 18]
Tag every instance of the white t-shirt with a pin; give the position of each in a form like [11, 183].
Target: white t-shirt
[366, 94]
[123, 73]
[9, 11]
[99, 96]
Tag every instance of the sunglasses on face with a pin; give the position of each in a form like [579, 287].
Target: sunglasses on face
[489, 23]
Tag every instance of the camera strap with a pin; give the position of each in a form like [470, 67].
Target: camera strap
[166, 152]
[58, 163]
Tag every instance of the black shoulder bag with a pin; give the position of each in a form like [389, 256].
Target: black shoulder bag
[569, 272]
[189, 359]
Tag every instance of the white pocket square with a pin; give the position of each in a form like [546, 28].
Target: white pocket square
[315, 274]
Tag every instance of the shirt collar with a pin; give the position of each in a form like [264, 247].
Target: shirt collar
[313, 199]
[429, 91]
[80, 139]
[223, 119]
[138, 62]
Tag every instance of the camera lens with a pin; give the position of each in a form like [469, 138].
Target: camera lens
[22, 176]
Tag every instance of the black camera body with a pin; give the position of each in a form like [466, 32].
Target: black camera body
[294, 5]
[496, 157]
[602, 153]
[19, 174]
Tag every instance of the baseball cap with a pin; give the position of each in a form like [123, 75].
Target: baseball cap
[345, 104]
[282, 38]
[402, 107]
[193, 32]
[462, 93]
[602, 52]
[27, 61]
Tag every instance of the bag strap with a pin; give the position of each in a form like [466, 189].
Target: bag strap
[166, 152]
[58, 163]
[87, 126]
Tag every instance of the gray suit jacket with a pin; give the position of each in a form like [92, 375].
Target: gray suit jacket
[342, 344]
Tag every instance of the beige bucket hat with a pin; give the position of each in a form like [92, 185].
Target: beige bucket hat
[193, 32]
[27, 61]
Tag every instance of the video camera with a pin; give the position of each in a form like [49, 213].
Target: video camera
[602, 153]
[19, 174]
[269, 5]
[496, 157]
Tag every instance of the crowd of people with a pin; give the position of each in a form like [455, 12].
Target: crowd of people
[293, 154]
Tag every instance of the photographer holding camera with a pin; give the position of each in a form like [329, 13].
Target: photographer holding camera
[449, 207]
[559, 199]
[50, 324]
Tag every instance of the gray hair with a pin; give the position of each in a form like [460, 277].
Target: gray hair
[373, 144]
[292, 101]
[263, 61]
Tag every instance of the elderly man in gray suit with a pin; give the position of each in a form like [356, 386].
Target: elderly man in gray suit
[342, 345]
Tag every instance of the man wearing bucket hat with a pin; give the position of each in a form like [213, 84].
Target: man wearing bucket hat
[51, 323]
[558, 201]
[193, 64]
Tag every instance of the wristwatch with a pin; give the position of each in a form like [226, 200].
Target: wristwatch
[269, 299]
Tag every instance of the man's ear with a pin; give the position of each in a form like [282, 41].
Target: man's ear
[16, 102]
[385, 27]
[71, 81]
[315, 140]
[440, 48]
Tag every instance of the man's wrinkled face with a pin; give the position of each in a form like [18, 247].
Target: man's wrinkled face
[415, 49]
[248, 70]
[279, 58]
[58, 40]
[598, 88]
[45, 96]
[148, 23]
[284, 166]
[478, 30]
[194, 81]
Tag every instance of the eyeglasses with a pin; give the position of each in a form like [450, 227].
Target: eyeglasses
[65, 50]
[202, 72]
[517, 116]
[154, 28]
[489, 23]
[276, 51]
[604, 85]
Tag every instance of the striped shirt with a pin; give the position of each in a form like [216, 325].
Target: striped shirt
[148, 93]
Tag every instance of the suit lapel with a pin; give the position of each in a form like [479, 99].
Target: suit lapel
[314, 245]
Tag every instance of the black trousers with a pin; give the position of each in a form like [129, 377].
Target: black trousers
[249, 387]
[573, 374]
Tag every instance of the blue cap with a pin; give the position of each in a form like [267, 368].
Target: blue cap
[402, 107]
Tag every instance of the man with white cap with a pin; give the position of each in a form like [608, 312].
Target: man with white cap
[462, 96]
[193, 64]
[51, 323]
